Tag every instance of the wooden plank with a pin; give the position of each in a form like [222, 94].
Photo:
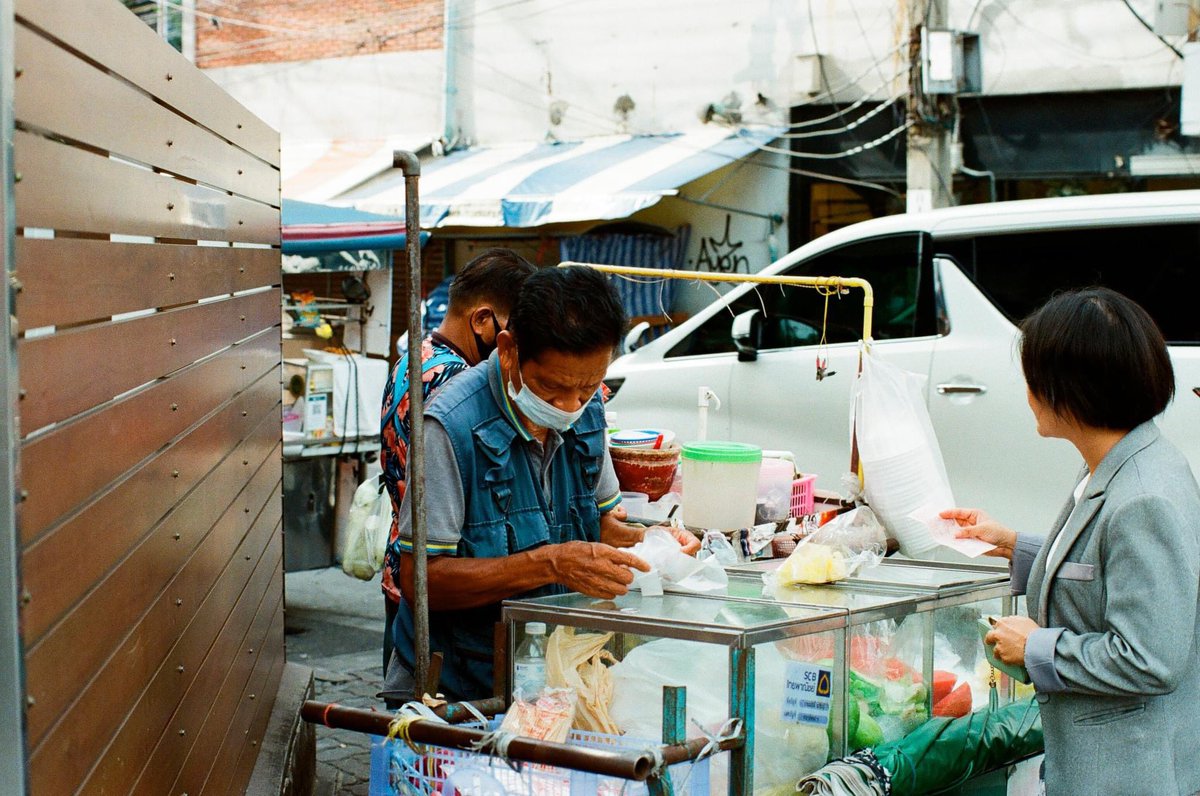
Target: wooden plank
[222, 709]
[128, 431]
[67, 281]
[245, 731]
[244, 767]
[103, 741]
[107, 33]
[119, 602]
[53, 86]
[66, 188]
[128, 354]
[56, 576]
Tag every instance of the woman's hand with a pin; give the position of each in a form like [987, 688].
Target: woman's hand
[975, 524]
[1009, 635]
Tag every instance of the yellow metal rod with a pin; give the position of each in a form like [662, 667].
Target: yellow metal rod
[840, 282]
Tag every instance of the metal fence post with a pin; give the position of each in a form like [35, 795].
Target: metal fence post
[12, 688]
[408, 163]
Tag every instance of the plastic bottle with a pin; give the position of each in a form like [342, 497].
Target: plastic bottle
[529, 676]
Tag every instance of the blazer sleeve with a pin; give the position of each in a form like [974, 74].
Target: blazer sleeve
[1024, 552]
[1151, 571]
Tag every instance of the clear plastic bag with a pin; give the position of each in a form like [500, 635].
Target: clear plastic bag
[836, 550]
[903, 470]
[367, 530]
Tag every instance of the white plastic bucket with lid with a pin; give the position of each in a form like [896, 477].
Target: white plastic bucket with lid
[720, 484]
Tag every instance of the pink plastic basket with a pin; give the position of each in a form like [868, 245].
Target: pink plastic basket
[803, 495]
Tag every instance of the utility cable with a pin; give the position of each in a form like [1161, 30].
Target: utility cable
[1151, 29]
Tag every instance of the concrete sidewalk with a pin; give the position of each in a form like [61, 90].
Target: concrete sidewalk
[335, 625]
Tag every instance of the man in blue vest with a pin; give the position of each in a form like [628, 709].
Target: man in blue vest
[519, 490]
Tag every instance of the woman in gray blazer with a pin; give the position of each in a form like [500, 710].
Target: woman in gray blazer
[1112, 641]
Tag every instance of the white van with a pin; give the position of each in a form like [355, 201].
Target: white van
[950, 286]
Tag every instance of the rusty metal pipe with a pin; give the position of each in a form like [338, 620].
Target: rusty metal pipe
[410, 166]
[627, 765]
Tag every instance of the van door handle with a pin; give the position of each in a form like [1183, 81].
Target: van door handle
[953, 388]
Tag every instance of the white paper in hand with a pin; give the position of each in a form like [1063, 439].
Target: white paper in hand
[945, 533]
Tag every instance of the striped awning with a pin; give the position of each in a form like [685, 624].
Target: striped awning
[530, 185]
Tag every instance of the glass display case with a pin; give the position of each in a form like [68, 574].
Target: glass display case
[816, 671]
[913, 640]
[733, 657]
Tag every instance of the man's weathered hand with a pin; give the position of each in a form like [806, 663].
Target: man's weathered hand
[595, 569]
[689, 543]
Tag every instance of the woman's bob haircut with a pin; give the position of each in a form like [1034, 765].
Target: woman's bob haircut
[1096, 357]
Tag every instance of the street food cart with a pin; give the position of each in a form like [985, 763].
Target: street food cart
[742, 691]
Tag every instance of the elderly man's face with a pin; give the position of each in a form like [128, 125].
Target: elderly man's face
[567, 381]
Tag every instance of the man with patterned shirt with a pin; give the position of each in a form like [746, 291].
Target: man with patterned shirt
[481, 297]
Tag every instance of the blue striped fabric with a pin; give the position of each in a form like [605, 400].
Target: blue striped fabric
[640, 297]
[527, 185]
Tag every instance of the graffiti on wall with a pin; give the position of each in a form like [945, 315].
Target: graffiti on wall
[722, 254]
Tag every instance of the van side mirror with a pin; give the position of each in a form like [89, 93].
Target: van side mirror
[634, 337]
[747, 335]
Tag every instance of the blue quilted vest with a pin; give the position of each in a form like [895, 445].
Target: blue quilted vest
[507, 512]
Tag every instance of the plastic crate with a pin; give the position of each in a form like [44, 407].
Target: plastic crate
[397, 771]
[803, 495]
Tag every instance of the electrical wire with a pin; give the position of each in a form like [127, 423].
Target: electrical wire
[883, 139]
[1151, 29]
[861, 120]
[852, 83]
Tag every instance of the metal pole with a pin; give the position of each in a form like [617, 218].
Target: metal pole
[12, 673]
[408, 163]
[635, 765]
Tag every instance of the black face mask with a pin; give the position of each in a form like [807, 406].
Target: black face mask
[483, 348]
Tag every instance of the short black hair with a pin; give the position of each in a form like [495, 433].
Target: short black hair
[1097, 357]
[574, 310]
[494, 276]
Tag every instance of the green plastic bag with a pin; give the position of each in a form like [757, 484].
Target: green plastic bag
[945, 752]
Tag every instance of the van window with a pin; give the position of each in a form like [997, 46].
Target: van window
[1156, 265]
[897, 268]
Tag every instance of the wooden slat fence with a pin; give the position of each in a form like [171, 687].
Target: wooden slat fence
[148, 358]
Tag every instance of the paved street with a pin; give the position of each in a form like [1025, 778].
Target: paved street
[335, 625]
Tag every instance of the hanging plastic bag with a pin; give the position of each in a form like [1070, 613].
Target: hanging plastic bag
[904, 476]
[367, 529]
[836, 550]
[579, 662]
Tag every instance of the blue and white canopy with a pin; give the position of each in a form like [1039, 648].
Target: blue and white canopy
[530, 185]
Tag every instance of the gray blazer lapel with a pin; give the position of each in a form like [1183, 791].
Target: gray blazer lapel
[1035, 583]
[1090, 502]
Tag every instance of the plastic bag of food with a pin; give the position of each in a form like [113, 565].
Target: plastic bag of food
[579, 662]
[836, 550]
[547, 718]
[367, 529]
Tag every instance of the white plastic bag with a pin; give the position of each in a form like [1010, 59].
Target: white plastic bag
[367, 529]
[783, 752]
[903, 470]
[840, 548]
[675, 568]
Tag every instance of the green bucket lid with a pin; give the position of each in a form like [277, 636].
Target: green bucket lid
[729, 452]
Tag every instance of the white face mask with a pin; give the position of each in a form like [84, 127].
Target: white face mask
[541, 412]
